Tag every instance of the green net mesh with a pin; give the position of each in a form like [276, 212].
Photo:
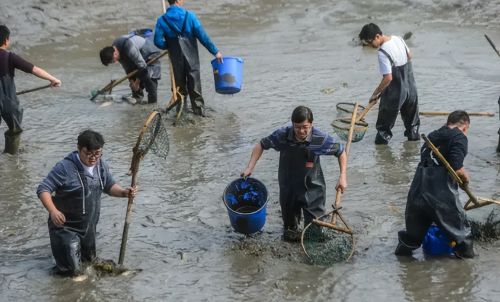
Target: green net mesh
[155, 138]
[341, 128]
[326, 246]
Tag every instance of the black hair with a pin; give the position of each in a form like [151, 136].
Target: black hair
[106, 55]
[171, 2]
[369, 31]
[458, 117]
[4, 34]
[301, 114]
[91, 140]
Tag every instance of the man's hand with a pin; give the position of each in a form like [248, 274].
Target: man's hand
[57, 218]
[135, 85]
[129, 192]
[246, 173]
[218, 56]
[55, 82]
[342, 183]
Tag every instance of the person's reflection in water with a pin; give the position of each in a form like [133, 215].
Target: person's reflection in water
[437, 279]
[396, 166]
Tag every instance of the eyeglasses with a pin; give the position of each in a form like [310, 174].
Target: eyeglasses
[302, 127]
[95, 155]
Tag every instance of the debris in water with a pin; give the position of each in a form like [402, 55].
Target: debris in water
[487, 231]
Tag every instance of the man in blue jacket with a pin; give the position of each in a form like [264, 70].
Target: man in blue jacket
[177, 30]
[71, 193]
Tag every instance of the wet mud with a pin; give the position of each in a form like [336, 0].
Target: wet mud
[296, 53]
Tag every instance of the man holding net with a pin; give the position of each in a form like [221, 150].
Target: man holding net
[397, 89]
[302, 185]
[71, 193]
[433, 195]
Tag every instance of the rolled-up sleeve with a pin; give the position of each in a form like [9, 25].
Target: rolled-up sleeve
[54, 180]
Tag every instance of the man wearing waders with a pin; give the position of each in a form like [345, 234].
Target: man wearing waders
[397, 89]
[71, 193]
[10, 110]
[133, 51]
[433, 195]
[301, 181]
[177, 31]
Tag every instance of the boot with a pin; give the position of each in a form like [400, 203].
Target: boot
[464, 250]
[412, 134]
[12, 142]
[498, 147]
[403, 250]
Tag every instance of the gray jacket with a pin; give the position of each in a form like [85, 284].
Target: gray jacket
[68, 182]
[135, 51]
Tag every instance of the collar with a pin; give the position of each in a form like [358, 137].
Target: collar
[291, 136]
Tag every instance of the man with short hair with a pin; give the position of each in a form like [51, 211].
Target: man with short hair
[71, 193]
[178, 31]
[433, 195]
[301, 181]
[133, 51]
[397, 89]
[10, 110]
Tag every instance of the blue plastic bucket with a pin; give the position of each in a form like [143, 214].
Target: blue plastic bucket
[143, 32]
[246, 202]
[436, 242]
[228, 75]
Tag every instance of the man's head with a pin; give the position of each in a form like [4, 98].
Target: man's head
[178, 2]
[4, 35]
[371, 35]
[302, 118]
[459, 119]
[90, 145]
[109, 55]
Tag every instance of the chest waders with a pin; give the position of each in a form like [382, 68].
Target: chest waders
[433, 198]
[75, 241]
[302, 187]
[183, 52]
[400, 95]
[11, 112]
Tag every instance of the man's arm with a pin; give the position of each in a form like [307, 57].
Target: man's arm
[134, 54]
[256, 154]
[39, 72]
[202, 36]
[386, 80]
[159, 39]
[117, 191]
[56, 216]
[342, 183]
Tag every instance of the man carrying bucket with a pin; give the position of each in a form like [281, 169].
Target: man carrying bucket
[177, 31]
[397, 89]
[302, 185]
[10, 110]
[133, 51]
[433, 195]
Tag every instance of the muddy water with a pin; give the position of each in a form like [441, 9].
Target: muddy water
[296, 52]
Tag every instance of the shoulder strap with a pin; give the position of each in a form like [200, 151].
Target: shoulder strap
[175, 31]
[387, 55]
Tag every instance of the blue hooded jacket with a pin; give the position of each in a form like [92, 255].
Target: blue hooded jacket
[193, 29]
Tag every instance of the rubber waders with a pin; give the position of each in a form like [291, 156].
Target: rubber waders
[12, 143]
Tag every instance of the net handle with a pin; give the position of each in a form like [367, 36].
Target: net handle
[338, 196]
[134, 167]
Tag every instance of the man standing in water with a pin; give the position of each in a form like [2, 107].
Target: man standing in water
[10, 110]
[302, 185]
[133, 51]
[433, 195]
[71, 193]
[397, 89]
[177, 31]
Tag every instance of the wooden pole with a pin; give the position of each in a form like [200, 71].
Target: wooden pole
[492, 44]
[33, 89]
[441, 113]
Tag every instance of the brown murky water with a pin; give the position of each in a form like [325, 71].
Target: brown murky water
[295, 52]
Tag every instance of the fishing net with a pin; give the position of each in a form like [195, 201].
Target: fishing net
[488, 230]
[327, 244]
[344, 108]
[153, 136]
[341, 127]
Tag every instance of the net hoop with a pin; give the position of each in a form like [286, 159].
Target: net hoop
[346, 107]
[153, 117]
[351, 235]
